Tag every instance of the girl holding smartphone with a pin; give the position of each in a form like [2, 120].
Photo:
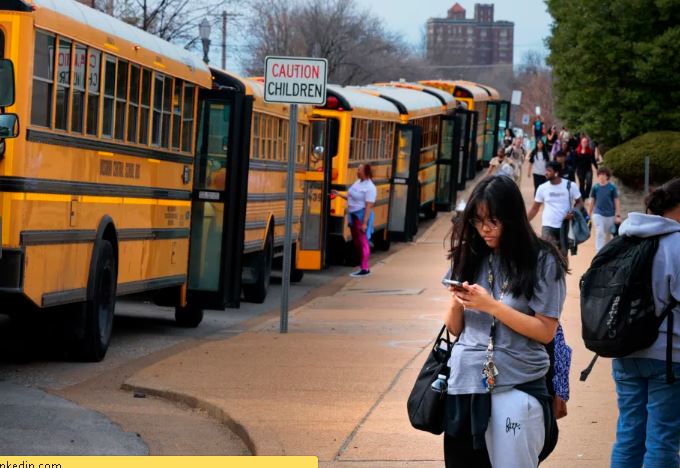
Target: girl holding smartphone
[499, 411]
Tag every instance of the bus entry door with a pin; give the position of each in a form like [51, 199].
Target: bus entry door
[448, 166]
[405, 196]
[312, 245]
[215, 247]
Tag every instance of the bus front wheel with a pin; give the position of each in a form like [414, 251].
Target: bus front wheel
[188, 316]
[262, 265]
[96, 314]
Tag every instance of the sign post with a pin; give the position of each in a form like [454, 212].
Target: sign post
[293, 80]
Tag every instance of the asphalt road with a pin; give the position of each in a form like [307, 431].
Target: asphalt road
[43, 392]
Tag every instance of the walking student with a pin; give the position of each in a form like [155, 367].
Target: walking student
[584, 162]
[604, 208]
[501, 164]
[537, 160]
[360, 200]
[498, 409]
[648, 429]
[566, 172]
[558, 197]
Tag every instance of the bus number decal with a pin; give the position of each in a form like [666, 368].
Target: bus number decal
[111, 168]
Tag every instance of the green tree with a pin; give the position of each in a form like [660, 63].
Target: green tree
[616, 66]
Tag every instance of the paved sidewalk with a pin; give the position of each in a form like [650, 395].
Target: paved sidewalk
[336, 385]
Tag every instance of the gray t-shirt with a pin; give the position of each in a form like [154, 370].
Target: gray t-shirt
[518, 359]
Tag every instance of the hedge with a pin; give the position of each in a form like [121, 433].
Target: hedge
[627, 161]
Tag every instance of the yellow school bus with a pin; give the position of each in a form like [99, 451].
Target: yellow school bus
[452, 144]
[352, 128]
[489, 117]
[97, 183]
[422, 112]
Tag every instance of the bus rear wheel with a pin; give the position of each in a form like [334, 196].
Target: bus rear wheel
[296, 274]
[262, 264]
[381, 240]
[430, 211]
[188, 316]
[96, 314]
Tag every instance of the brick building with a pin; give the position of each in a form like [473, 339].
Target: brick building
[457, 40]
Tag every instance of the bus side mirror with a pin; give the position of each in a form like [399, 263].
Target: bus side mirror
[9, 126]
[6, 83]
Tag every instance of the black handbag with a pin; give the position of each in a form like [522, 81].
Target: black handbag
[426, 402]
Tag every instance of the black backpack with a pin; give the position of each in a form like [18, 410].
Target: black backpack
[618, 315]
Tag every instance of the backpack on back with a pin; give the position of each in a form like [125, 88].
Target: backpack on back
[618, 314]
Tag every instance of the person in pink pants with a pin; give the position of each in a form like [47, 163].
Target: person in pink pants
[360, 200]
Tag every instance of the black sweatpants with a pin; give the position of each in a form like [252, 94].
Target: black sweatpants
[458, 453]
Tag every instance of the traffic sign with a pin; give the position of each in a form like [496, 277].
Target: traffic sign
[295, 80]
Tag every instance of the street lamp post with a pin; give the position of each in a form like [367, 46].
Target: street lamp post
[204, 34]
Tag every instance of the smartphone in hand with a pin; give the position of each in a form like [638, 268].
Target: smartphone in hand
[457, 285]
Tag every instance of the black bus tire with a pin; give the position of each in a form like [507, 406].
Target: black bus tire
[296, 274]
[262, 262]
[96, 314]
[188, 316]
[430, 211]
[381, 240]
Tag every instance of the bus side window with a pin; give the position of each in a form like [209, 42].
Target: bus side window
[109, 96]
[94, 65]
[188, 118]
[2, 44]
[63, 83]
[145, 107]
[78, 112]
[43, 79]
[134, 103]
[121, 98]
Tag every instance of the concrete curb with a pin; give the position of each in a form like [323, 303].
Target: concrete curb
[195, 403]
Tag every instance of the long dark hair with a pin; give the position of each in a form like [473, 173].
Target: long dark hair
[520, 247]
[544, 151]
[665, 198]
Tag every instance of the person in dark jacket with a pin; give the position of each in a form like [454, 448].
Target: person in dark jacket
[567, 172]
[585, 160]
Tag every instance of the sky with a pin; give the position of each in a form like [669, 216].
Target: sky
[408, 17]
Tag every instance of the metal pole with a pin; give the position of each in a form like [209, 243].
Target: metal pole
[287, 245]
[646, 175]
[224, 40]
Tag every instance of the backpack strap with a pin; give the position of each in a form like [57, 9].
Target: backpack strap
[670, 376]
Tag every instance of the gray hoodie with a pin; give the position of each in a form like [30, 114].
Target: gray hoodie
[665, 274]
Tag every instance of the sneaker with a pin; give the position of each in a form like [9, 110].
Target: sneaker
[360, 273]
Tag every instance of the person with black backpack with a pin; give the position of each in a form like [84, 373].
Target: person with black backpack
[630, 311]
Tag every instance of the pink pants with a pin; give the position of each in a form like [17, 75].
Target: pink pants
[360, 241]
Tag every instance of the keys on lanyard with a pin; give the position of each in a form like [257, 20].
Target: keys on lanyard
[489, 369]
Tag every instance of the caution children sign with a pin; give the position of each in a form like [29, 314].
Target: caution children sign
[295, 80]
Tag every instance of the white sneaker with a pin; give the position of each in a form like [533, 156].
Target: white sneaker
[360, 273]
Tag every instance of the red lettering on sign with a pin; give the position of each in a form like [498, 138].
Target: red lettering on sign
[295, 70]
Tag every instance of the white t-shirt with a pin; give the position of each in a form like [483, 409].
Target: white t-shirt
[361, 192]
[556, 201]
